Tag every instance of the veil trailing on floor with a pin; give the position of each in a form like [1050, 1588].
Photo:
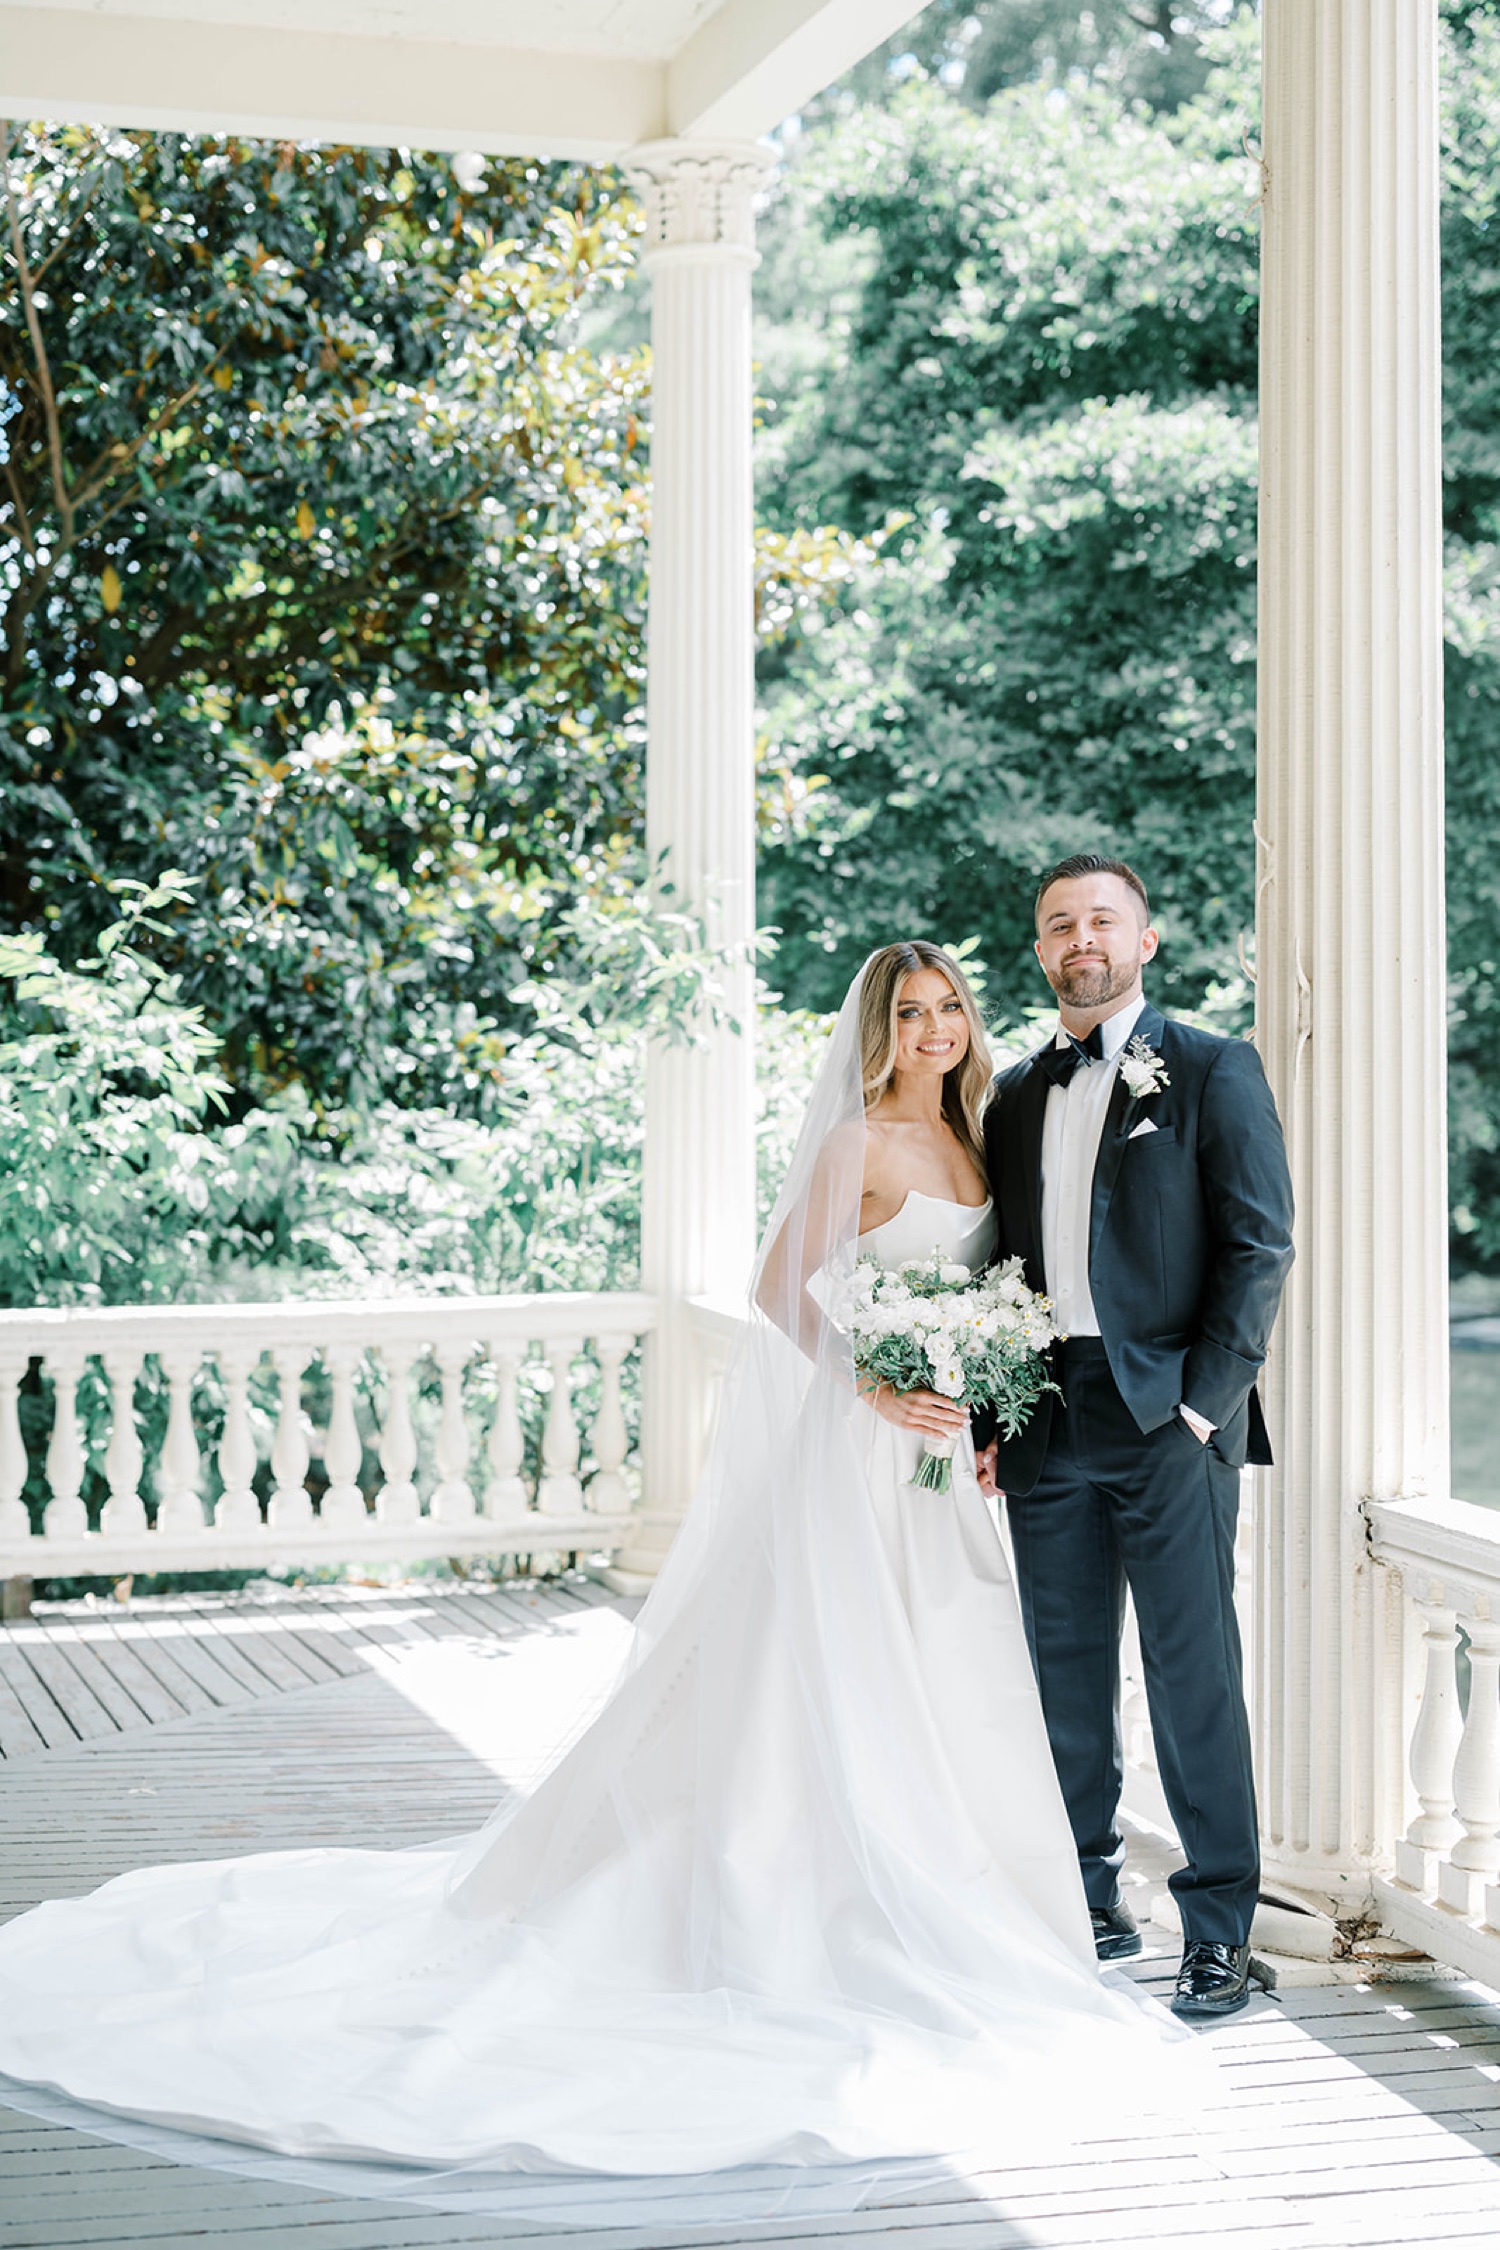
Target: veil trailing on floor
[749, 1925]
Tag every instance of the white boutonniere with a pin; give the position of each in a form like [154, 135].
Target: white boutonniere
[1143, 1070]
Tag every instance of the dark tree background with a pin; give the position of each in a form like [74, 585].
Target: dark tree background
[322, 560]
[1008, 338]
[322, 517]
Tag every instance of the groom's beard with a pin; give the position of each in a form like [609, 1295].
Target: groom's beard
[1093, 984]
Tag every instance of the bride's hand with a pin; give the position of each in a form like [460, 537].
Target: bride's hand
[926, 1411]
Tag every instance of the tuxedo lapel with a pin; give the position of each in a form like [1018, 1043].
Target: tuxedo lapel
[1117, 1124]
[1031, 1111]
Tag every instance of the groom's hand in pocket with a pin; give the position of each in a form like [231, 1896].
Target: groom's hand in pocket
[984, 1462]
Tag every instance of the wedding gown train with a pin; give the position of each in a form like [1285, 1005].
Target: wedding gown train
[803, 1894]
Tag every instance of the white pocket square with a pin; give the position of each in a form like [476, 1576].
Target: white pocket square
[1146, 1125]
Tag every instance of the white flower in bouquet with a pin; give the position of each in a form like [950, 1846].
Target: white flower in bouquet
[933, 1325]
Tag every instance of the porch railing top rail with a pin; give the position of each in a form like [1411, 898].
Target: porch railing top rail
[1446, 1538]
[181, 1437]
[30, 1331]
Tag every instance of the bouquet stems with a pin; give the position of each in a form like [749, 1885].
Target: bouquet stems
[935, 1469]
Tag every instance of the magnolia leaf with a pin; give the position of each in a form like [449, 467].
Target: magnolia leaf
[110, 589]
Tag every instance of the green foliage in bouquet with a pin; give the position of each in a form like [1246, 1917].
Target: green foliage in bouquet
[932, 1325]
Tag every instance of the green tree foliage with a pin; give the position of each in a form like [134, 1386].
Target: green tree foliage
[1149, 50]
[1471, 453]
[1012, 344]
[322, 562]
[1028, 382]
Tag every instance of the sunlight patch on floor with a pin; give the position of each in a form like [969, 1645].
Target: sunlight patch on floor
[511, 1703]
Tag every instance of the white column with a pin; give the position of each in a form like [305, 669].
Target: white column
[699, 1191]
[1350, 949]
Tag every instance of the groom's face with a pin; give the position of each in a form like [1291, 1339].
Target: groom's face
[1092, 941]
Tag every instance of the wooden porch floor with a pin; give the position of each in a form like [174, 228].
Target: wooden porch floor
[188, 1728]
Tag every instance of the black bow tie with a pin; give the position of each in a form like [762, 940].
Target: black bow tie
[1060, 1062]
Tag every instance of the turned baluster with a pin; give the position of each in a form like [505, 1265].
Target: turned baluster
[238, 1507]
[66, 1515]
[559, 1492]
[15, 1522]
[291, 1506]
[505, 1494]
[343, 1502]
[396, 1501]
[608, 1493]
[1434, 1748]
[179, 1472]
[453, 1496]
[124, 1511]
[1475, 1858]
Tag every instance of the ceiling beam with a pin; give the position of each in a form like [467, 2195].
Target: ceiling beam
[756, 61]
[77, 66]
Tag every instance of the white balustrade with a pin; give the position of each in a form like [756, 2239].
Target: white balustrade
[608, 1493]
[291, 1507]
[124, 1511]
[15, 1523]
[478, 1349]
[1444, 1892]
[179, 1505]
[238, 1506]
[343, 1502]
[1434, 1750]
[560, 1493]
[398, 1501]
[505, 1494]
[453, 1501]
[67, 1517]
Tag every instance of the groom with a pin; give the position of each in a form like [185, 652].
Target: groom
[1137, 1167]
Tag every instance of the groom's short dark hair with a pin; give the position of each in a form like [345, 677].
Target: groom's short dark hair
[1091, 863]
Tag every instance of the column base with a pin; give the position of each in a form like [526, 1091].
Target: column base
[1344, 1893]
[635, 1584]
[639, 1560]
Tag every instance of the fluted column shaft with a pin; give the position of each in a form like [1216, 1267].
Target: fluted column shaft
[1350, 950]
[699, 1189]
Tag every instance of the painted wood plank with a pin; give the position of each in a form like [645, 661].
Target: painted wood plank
[255, 1660]
[119, 1657]
[314, 1640]
[70, 1648]
[190, 1648]
[19, 1734]
[40, 1706]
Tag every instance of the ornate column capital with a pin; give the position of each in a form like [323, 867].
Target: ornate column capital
[699, 198]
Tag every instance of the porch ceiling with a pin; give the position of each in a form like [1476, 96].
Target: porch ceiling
[563, 78]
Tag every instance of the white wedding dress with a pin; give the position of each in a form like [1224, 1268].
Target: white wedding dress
[803, 1895]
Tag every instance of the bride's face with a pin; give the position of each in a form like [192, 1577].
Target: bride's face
[932, 1031]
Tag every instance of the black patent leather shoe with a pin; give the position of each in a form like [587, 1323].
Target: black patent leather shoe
[1215, 1980]
[1116, 1937]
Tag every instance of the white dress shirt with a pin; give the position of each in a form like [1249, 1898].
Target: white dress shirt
[1070, 1148]
[1071, 1132]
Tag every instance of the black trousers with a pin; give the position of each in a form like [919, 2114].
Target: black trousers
[1156, 1512]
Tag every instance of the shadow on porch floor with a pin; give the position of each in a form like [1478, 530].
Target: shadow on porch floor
[1352, 2115]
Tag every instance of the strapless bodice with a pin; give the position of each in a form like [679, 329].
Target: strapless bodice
[928, 1225]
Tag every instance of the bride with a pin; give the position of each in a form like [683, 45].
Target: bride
[803, 1894]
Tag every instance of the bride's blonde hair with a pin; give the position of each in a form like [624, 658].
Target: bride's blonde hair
[964, 1087]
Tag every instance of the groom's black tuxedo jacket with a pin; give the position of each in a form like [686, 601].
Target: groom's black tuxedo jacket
[1190, 1234]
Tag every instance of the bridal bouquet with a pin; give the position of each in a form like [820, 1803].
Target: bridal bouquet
[932, 1325]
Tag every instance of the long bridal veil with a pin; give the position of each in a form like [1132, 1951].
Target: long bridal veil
[750, 1919]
